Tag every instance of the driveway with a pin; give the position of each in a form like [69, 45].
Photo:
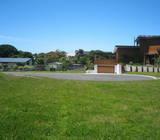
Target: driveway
[85, 77]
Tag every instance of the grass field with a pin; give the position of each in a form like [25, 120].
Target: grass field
[34, 109]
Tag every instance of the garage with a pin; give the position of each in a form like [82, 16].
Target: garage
[105, 68]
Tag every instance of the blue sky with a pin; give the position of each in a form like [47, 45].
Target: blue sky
[47, 25]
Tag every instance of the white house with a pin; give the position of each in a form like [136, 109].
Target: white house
[55, 66]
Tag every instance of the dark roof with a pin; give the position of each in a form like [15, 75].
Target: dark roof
[14, 60]
[124, 47]
[148, 37]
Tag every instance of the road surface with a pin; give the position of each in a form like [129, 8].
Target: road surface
[84, 77]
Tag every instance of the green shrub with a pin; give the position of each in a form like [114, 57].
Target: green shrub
[28, 68]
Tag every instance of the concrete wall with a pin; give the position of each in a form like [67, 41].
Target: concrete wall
[130, 68]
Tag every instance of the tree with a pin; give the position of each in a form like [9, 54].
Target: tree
[158, 50]
[39, 58]
[98, 54]
[79, 52]
[53, 56]
[7, 50]
[25, 54]
[157, 60]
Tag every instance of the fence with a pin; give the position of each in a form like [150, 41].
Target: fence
[131, 68]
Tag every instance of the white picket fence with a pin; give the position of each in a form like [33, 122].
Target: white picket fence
[130, 68]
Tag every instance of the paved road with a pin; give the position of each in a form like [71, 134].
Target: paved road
[86, 77]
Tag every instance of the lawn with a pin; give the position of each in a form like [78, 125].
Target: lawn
[41, 108]
[156, 74]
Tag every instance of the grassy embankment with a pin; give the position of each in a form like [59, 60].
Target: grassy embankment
[156, 74]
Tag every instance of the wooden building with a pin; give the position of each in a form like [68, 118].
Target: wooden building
[126, 54]
[106, 66]
[149, 46]
[145, 50]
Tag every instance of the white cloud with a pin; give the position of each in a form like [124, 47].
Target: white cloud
[71, 54]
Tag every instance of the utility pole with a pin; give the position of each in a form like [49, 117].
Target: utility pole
[95, 57]
[134, 41]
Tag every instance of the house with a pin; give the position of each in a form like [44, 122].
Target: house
[55, 66]
[76, 66]
[145, 50]
[8, 63]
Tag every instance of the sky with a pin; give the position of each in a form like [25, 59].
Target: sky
[47, 25]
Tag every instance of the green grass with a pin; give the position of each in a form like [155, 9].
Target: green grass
[35, 109]
[156, 74]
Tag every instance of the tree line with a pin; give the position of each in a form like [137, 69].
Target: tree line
[81, 57]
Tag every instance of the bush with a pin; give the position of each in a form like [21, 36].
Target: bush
[40, 67]
[157, 61]
[28, 68]
[20, 68]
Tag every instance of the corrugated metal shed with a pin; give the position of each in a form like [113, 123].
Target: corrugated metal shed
[14, 60]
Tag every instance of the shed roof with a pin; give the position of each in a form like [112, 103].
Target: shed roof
[14, 60]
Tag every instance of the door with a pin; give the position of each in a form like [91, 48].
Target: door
[105, 69]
